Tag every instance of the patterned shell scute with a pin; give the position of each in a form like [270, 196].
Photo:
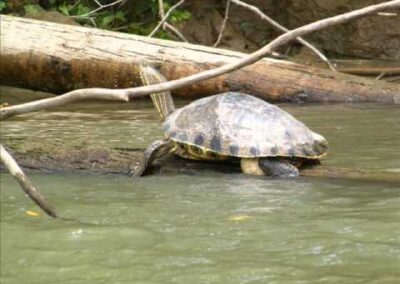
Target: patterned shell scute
[240, 125]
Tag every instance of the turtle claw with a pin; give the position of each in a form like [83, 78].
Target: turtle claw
[155, 150]
[136, 171]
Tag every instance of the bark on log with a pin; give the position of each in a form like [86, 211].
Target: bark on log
[59, 58]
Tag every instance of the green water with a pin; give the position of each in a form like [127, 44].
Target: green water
[211, 227]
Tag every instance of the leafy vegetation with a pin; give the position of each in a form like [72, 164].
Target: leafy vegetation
[137, 17]
[2, 5]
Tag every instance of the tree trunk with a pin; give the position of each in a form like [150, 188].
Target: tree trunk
[58, 58]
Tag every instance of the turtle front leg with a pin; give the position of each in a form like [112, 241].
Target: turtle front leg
[157, 149]
[278, 168]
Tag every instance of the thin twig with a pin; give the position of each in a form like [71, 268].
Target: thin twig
[80, 94]
[98, 3]
[25, 183]
[174, 30]
[226, 17]
[282, 28]
[381, 75]
[161, 12]
[122, 94]
[101, 7]
[392, 79]
[166, 25]
[166, 17]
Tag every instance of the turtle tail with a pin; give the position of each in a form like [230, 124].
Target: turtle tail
[162, 101]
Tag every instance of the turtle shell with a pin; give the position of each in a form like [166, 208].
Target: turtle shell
[240, 125]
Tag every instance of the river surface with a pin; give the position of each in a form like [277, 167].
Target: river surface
[210, 227]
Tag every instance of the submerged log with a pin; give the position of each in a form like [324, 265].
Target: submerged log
[48, 157]
[59, 58]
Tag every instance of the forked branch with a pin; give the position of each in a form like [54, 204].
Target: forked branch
[165, 17]
[99, 8]
[268, 19]
[123, 94]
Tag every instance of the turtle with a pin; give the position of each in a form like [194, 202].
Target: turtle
[232, 126]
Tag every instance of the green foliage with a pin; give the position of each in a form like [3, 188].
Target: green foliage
[3, 5]
[32, 8]
[73, 10]
[107, 20]
[138, 17]
[244, 25]
[145, 17]
[178, 16]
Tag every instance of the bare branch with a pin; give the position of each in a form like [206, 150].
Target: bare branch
[380, 76]
[174, 30]
[393, 79]
[122, 94]
[25, 183]
[166, 25]
[161, 12]
[166, 17]
[101, 7]
[226, 17]
[81, 94]
[257, 55]
[97, 2]
[282, 28]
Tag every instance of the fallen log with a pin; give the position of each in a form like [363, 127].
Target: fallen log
[58, 58]
[90, 159]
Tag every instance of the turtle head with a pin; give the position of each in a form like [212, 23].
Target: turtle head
[320, 145]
